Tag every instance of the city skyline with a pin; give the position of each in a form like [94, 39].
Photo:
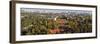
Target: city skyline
[42, 10]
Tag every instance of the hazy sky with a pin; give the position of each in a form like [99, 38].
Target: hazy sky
[42, 10]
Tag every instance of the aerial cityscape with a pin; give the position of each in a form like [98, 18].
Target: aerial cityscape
[40, 21]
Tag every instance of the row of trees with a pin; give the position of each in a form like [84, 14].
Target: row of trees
[34, 24]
